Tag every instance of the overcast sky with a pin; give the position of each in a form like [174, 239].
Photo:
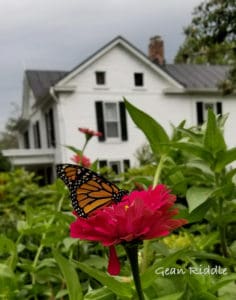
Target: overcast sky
[59, 34]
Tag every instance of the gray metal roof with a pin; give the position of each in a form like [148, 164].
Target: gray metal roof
[197, 76]
[41, 81]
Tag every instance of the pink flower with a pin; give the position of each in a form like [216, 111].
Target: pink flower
[89, 132]
[83, 161]
[141, 215]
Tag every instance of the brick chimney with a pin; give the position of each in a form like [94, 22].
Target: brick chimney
[156, 50]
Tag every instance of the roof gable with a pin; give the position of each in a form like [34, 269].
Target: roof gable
[130, 48]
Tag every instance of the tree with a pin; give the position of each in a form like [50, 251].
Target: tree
[8, 138]
[211, 38]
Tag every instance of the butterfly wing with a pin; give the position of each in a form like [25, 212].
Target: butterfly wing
[89, 191]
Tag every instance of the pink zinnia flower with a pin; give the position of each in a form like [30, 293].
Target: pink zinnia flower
[141, 215]
[89, 132]
[83, 160]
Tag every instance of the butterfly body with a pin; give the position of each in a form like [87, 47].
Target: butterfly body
[89, 191]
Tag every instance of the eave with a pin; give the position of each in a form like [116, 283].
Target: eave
[193, 91]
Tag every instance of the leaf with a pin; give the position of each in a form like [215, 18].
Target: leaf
[195, 137]
[213, 138]
[153, 131]
[6, 272]
[8, 282]
[205, 296]
[228, 218]
[100, 294]
[94, 165]
[175, 296]
[197, 196]
[9, 251]
[201, 166]
[70, 276]
[223, 281]
[196, 215]
[148, 277]
[74, 149]
[121, 289]
[224, 159]
[193, 149]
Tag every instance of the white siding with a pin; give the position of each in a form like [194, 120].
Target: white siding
[78, 109]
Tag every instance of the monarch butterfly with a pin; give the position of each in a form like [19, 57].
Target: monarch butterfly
[88, 190]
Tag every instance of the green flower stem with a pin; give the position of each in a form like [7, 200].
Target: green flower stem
[85, 144]
[158, 170]
[221, 226]
[144, 262]
[132, 253]
[222, 231]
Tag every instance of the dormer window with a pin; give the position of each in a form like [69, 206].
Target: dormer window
[100, 78]
[138, 79]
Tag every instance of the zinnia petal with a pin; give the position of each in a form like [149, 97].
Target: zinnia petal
[114, 264]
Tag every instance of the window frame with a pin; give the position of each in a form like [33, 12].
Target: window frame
[138, 79]
[118, 122]
[100, 76]
[201, 109]
[26, 139]
[124, 164]
[37, 135]
[50, 128]
[99, 113]
[116, 163]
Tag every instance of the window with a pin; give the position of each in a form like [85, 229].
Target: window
[138, 79]
[50, 129]
[111, 120]
[117, 166]
[100, 78]
[202, 110]
[37, 138]
[26, 139]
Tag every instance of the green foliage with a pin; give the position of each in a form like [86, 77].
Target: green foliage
[5, 164]
[210, 38]
[144, 155]
[71, 277]
[8, 137]
[38, 259]
[154, 132]
[211, 35]
[196, 168]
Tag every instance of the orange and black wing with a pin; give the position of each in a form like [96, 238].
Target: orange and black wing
[89, 191]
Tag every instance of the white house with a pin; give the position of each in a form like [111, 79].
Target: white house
[56, 103]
